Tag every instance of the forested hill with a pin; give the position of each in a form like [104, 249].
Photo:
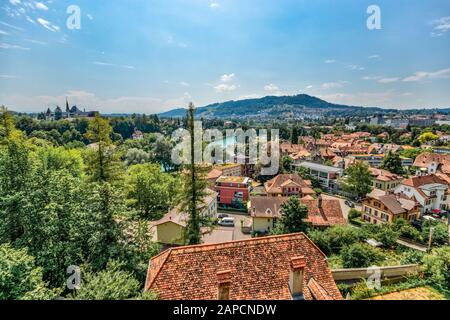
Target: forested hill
[271, 105]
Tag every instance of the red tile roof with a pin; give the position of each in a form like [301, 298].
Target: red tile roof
[275, 185]
[442, 160]
[329, 214]
[258, 268]
[423, 180]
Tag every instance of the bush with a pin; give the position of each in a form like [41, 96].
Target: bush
[440, 233]
[412, 257]
[333, 239]
[353, 214]
[408, 231]
[436, 267]
[360, 255]
[387, 236]
[110, 284]
[20, 278]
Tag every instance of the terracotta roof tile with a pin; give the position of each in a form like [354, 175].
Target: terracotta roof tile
[258, 270]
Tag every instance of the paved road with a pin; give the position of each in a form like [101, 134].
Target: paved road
[238, 235]
[412, 245]
[344, 207]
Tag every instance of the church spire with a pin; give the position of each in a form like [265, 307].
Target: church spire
[67, 106]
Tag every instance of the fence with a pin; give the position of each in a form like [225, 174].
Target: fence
[390, 272]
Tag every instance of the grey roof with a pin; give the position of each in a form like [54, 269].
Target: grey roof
[319, 167]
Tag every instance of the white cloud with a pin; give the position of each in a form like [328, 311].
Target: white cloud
[371, 77]
[388, 80]
[90, 16]
[214, 5]
[14, 2]
[90, 101]
[441, 26]
[333, 85]
[374, 56]
[30, 20]
[7, 76]
[48, 25]
[271, 88]
[12, 46]
[423, 75]
[106, 64]
[184, 84]
[227, 77]
[374, 99]
[41, 6]
[11, 26]
[355, 67]
[309, 87]
[330, 61]
[4, 33]
[36, 41]
[225, 87]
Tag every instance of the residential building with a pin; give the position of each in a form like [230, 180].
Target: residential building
[286, 185]
[265, 211]
[137, 135]
[380, 207]
[170, 228]
[385, 180]
[233, 191]
[431, 192]
[432, 163]
[326, 175]
[375, 160]
[226, 170]
[282, 267]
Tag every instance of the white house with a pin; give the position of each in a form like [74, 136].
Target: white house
[431, 192]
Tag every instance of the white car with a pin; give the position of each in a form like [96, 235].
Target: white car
[227, 222]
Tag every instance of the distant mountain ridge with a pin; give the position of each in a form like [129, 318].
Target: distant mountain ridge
[271, 105]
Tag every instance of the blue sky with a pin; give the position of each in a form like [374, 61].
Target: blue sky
[152, 56]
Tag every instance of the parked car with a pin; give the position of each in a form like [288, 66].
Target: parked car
[222, 215]
[227, 222]
[349, 203]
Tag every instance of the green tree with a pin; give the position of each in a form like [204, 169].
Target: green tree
[392, 163]
[20, 278]
[294, 135]
[436, 267]
[358, 180]
[136, 156]
[286, 163]
[440, 232]
[194, 186]
[113, 283]
[15, 172]
[332, 240]
[360, 255]
[102, 163]
[427, 137]
[103, 204]
[293, 214]
[151, 191]
[163, 153]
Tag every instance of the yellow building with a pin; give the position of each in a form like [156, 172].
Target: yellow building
[380, 207]
[170, 229]
[385, 180]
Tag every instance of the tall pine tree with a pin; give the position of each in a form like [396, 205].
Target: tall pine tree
[194, 188]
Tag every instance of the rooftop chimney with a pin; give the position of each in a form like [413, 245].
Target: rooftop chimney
[296, 277]
[224, 283]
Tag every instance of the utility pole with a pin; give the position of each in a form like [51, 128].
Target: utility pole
[430, 238]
